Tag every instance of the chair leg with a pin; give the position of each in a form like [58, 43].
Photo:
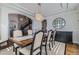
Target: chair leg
[15, 51]
[20, 53]
[13, 48]
[46, 49]
[49, 47]
[41, 51]
[52, 44]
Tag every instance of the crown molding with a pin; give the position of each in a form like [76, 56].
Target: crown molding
[19, 8]
[29, 13]
[23, 8]
[66, 11]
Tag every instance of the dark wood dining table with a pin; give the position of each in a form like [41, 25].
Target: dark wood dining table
[21, 41]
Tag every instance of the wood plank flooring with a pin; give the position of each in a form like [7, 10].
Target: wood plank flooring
[6, 44]
[72, 49]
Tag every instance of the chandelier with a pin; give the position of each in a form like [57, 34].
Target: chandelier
[38, 14]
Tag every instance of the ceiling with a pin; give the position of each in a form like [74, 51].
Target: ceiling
[48, 9]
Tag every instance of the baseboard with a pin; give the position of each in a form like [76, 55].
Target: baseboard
[76, 42]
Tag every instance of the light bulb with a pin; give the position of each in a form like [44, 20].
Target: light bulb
[39, 17]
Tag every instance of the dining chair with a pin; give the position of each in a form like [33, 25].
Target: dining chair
[16, 33]
[53, 37]
[29, 32]
[20, 40]
[36, 47]
[47, 41]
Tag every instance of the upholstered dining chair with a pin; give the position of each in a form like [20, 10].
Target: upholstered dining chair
[21, 41]
[53, 37]
[16, 33]
[47, 40]
[36, 47]
[29, 32]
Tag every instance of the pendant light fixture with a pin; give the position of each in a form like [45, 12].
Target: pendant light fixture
[38, 14]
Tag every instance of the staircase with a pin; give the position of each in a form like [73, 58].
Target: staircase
[25, 26]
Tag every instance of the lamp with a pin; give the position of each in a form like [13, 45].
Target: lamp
[38, 15]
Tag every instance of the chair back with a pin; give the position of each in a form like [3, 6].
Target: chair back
[29, 31]
[54, 34]
[37, 41]
[17, 33]
[49, 35]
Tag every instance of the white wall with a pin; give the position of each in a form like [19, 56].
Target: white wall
[0, 23]
[5, 22]
[36, 26]
[72, 23]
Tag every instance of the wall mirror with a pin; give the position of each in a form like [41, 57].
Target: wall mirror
[59, 23]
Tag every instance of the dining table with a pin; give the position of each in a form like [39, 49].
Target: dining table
[21, 41]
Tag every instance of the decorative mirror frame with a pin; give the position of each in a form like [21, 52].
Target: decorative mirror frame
[59, 23]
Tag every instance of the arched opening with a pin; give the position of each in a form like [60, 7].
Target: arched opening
[19, 22]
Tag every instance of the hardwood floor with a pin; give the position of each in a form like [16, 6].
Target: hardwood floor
[72, 49]
[6, 44]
